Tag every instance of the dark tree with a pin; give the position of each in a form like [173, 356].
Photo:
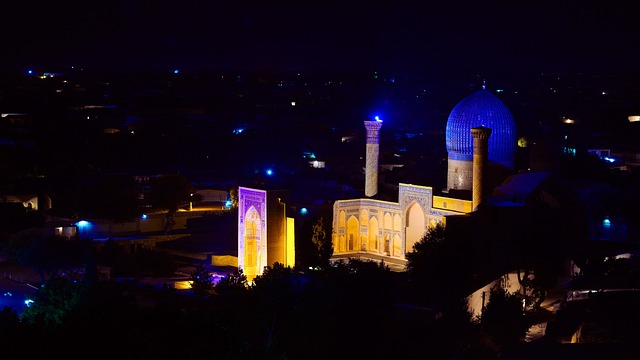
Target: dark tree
[322, 243]
[201, 281]
[434, 270]
[233, 194]
[50, 255]
[504, 322]
[235, 282]
[169, 193]
[110, 197]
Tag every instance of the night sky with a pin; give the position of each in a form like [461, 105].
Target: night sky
[429, 35]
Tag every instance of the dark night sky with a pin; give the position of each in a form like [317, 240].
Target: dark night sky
[428, 35]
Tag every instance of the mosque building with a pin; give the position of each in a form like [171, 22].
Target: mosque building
[481, 143]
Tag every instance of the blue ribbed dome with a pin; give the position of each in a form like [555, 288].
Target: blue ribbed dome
[481, 108]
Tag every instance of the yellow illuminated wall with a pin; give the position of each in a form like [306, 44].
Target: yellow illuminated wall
[362, 227]
[291, 243]
[265, 234]
[452, 204]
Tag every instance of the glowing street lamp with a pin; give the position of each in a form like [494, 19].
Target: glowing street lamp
[83, 225]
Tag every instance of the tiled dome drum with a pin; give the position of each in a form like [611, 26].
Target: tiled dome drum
[481, 108]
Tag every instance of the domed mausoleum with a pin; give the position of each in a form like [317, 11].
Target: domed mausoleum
[481, 108]
[372, 229]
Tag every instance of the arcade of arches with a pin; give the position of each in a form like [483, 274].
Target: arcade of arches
[383, 230]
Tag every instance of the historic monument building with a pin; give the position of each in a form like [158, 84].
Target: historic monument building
[480, 140]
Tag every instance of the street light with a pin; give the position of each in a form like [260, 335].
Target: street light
[83, 225]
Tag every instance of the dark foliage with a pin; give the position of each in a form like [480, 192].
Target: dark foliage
[201, 281]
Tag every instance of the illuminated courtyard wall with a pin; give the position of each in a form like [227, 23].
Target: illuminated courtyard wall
[388, 230]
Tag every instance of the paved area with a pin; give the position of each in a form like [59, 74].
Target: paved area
[16, 283]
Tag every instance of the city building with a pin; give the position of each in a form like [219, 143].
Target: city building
[481, 141]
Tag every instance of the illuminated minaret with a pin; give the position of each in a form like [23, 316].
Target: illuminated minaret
[373, 151]
[480, 158]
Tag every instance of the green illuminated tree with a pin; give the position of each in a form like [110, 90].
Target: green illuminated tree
[54, 300]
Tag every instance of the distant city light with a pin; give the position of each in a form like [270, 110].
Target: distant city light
[30, 72]
[609, 159]
[176, 71]
[634, 118]
[144, 216]
[569, 121]
[238, 130]
[293, 103]
[523, 142]
[269, 172]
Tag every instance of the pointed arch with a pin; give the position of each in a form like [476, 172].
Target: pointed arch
[388, 223]
[397, 246]
[342, 219]
[373, 235]
[397, 222]
[386, 244]
[252, 234]
[353, 233]
[415, 226]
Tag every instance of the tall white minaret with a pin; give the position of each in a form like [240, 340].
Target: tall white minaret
[373, 153]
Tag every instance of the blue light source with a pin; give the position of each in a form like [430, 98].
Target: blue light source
[228, 204]
[304, 211]
[176, 71]
[377, 118]
[83, 226]
[609, 159]
[144, 216]
[269, 172]
[30, 72]
[606, 222]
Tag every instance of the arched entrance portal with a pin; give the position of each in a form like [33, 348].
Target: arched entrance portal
[415, 226]
[252, 231]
